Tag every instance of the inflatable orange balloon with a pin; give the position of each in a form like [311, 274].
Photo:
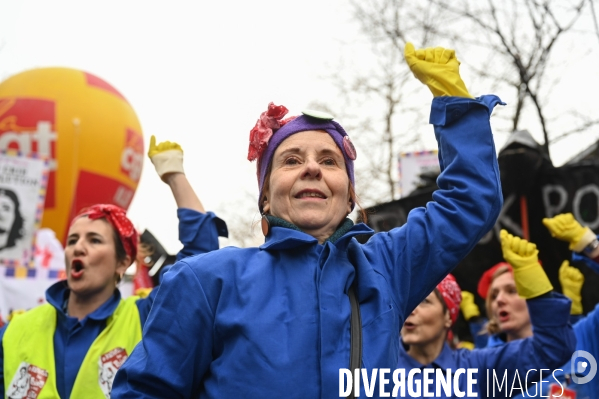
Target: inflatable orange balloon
[87, 130]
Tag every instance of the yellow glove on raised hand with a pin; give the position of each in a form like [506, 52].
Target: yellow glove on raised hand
[531, 280]
[564, 227]
[167, 157]
[438, 68]
[572, 280]
[468, 307]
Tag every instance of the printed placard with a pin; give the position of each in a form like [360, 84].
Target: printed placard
[27, 382]
[108, 365]
[23, 183]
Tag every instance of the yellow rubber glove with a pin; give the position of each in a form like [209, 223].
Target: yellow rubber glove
[572, 280]
[466, 345]
[438, 68]
[143, 292]
[167, 157]
[564, 227]
[15, 313]
[468, 307]
[531, 280]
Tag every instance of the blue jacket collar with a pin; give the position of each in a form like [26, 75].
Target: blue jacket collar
[284, 235]
[444, 361]
[58, 294]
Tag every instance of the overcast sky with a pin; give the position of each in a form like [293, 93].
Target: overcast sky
[198, 73]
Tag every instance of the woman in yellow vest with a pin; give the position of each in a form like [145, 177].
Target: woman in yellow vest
[73, 346]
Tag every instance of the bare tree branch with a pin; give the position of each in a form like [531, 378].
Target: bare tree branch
[528, 50]
[583, 127]
[387, 24]
[594, 17]
[514, 41]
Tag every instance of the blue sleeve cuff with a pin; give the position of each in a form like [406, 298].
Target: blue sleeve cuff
[446, 110]
[575, 318]
[199, 232]
[558, 316]
[576, 257]
[476, 327]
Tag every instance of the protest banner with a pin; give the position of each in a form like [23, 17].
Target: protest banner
[22, 192]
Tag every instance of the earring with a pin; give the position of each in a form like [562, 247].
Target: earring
[265, 225]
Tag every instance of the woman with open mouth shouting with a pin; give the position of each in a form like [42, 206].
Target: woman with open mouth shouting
[510, 321]
[73, 346]
[425, 334]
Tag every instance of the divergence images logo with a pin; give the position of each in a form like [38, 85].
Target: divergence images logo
[581, 366]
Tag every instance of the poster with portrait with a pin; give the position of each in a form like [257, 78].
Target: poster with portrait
[22, 192]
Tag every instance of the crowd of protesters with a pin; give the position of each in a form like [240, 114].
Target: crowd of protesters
[85, 316]
[282, 319]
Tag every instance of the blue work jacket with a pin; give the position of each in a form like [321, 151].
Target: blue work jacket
[568, 373]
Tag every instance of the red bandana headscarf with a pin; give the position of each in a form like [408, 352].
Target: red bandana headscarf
[117, 218]
[452, 296]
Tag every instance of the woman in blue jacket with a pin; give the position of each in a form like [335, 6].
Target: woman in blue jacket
[515, 323]
[274, 321]
[424, 336]
[580, 382]
[73, 346]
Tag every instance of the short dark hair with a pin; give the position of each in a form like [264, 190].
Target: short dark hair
[119, 248]
[16, 231]
[440, 297]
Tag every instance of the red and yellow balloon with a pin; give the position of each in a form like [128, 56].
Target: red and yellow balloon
[87, 130]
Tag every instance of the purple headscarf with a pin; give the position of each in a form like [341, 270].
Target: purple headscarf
[271, 130]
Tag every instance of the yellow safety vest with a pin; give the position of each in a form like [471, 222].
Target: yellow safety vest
[29, 366]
